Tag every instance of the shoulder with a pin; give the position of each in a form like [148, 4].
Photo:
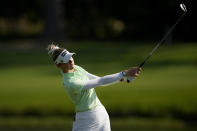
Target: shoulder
[79, 68]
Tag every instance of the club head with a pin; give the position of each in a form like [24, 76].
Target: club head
[183, 7]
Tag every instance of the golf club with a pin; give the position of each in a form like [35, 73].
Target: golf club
[183, 7]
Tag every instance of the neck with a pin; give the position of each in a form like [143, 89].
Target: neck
[69, 71]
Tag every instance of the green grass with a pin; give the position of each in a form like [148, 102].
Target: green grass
[117, 124]
[157, 90]
[167, 84]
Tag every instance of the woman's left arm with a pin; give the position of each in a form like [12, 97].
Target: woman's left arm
[91, 76]
[110, 79]
[101, 81]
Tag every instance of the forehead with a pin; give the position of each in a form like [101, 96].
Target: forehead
[68, 61]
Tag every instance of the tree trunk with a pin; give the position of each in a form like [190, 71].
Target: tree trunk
[53, 20]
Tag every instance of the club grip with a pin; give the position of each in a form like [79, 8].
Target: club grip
[130, 79]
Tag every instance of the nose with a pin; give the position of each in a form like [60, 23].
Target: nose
[70, 61]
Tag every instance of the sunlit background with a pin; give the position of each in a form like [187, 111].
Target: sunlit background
[108, 36]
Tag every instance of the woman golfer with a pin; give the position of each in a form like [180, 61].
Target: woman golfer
[79, 85]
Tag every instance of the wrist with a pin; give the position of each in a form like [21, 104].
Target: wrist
[124, 74]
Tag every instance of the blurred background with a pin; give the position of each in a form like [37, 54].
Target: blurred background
[108, 36]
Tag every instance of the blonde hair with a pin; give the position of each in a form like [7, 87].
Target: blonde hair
[54, 51]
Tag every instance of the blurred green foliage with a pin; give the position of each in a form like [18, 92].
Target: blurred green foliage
[95, 19]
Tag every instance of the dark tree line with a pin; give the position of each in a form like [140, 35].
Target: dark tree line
[103, 19]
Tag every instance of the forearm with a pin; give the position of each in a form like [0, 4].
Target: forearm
[109, 79]
[91, 76]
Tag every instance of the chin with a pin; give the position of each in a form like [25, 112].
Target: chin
[72, 67]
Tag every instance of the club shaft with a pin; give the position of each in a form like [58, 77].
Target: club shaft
[160, 42]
